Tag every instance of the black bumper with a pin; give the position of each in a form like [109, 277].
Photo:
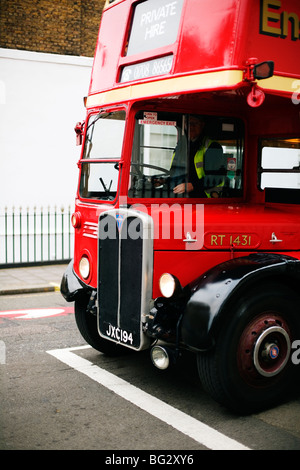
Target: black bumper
[71, 286]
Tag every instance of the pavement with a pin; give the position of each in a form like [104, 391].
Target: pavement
[25, 280]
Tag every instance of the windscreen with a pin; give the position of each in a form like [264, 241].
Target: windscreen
[102, 150]
[183, 155]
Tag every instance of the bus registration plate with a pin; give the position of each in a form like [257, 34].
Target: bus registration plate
[119, 335]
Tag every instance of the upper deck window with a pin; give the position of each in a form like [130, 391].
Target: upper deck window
[180, 155]
[155, 24]
[102, 150]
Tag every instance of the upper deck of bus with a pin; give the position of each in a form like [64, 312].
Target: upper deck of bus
[167, 47]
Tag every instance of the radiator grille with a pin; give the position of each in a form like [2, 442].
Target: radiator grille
[124, 265]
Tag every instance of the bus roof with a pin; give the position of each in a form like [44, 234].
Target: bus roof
[166, 47]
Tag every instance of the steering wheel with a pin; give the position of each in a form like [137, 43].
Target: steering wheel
[147, 165]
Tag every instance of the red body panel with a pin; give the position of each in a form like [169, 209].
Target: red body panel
[213, 36]
[190, 168]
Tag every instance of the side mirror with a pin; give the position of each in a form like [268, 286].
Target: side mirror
[254, 71]
[79, 129]
[263, 70]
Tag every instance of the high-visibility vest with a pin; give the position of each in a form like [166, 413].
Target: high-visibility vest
[199, 162]
[199, 165]
[199, 158]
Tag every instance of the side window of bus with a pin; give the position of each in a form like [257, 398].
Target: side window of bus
[279, 170]
[181, 155]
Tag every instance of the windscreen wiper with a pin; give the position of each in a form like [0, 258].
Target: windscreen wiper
[106, 190]
[100, 115]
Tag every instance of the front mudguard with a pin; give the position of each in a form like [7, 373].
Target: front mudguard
[71, 286]
[213, 292]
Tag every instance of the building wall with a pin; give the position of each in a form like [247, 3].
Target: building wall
[41, 99]
[68, 27]
[46, 56]
[46, 50]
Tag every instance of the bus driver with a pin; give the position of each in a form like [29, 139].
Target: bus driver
[201, 150]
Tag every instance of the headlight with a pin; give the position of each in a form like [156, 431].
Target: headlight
[167, 285]
[160, 357]
[84, 267]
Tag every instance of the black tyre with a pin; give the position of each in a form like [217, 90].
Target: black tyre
[87, 325]
[250, 368]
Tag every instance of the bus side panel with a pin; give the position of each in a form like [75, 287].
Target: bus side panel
[273, 34]
[108, 51]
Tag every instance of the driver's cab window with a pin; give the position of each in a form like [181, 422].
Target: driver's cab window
[181, 155]
[102, 152]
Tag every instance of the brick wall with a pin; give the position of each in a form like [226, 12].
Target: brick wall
[67, 27]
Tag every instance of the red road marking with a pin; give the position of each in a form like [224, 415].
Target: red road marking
[33, 313]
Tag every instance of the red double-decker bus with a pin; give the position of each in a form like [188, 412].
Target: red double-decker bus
[187, 227]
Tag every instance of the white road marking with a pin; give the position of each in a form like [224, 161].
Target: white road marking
[200, 432]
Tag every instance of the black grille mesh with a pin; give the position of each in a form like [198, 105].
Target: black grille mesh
[120, 275]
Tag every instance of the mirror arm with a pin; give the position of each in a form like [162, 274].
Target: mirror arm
[258, 71]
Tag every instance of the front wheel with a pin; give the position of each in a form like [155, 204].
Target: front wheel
[87, 325]
[250, 367]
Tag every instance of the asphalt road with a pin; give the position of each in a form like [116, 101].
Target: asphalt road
[58, 394]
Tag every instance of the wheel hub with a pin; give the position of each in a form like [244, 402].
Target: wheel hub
[271, 351]
[264, 348]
